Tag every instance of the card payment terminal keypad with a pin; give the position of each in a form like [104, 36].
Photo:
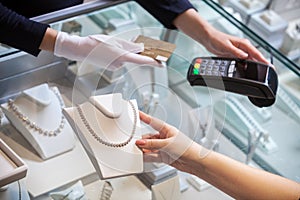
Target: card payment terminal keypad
[214, 67]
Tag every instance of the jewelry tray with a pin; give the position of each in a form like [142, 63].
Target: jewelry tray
[12, 167]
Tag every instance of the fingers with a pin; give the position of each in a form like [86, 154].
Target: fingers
[244, 45]
[155, 123]
[151, 136]
[236, 50]
[140, 59]
[151, 144]
[116, 51]
[239, 53]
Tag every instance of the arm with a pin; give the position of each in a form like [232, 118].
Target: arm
[165, 11]
[234, 178]
[19, 32]
[242, 181]
[182, 15]
[32, 37]
[215, 41]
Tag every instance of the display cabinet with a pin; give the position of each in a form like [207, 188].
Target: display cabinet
[266, 138]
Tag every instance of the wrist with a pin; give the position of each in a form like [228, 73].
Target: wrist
[194, 158]
[49, 39]
[73, 47]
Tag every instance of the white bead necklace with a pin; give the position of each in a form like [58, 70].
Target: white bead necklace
[100, 140]
[32, 125]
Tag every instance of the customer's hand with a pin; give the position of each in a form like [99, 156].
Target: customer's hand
[217, 42]
[226, 45]
[168, 145]
[103, 51]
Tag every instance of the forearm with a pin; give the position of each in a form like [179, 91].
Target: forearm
[49, 39]
[193, 25]
[20, 32]
[242, 181]
[166, 11]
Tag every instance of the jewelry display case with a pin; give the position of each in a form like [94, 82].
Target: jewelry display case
[272, 144]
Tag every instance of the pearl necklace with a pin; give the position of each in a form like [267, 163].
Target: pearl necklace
[32, 125]
[100, 140]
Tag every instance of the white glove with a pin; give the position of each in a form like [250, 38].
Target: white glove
[102, 51]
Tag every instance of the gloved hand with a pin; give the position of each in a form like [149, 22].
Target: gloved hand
[103, 51]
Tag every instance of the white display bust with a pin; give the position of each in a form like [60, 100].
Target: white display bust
[43, 106]
[113, 120]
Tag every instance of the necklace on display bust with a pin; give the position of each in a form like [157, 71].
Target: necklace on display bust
[32, 125]
[100, 140]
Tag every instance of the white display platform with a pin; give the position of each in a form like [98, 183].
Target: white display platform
[42, 106]
[44, 176]
[109, 162]
[128, 187]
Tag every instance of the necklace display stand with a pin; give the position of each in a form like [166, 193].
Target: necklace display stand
[42, 122]
[107, 127]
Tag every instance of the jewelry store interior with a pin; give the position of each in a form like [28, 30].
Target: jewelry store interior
[54, 144]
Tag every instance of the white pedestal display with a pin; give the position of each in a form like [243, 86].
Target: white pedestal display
[37, 115]
[108, 126]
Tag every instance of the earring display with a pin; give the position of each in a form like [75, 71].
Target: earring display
[108, 138]
[37, 115]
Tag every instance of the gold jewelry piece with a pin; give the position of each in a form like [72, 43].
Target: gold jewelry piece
[94, 134]
[32, 125]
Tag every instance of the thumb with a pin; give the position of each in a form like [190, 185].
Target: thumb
[152, 144]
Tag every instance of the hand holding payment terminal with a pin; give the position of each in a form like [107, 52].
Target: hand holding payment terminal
[256, 80]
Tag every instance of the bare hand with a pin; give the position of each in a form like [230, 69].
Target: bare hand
[168, 145]
[226, 45]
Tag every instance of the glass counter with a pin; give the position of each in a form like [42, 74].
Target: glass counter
[275, 150]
